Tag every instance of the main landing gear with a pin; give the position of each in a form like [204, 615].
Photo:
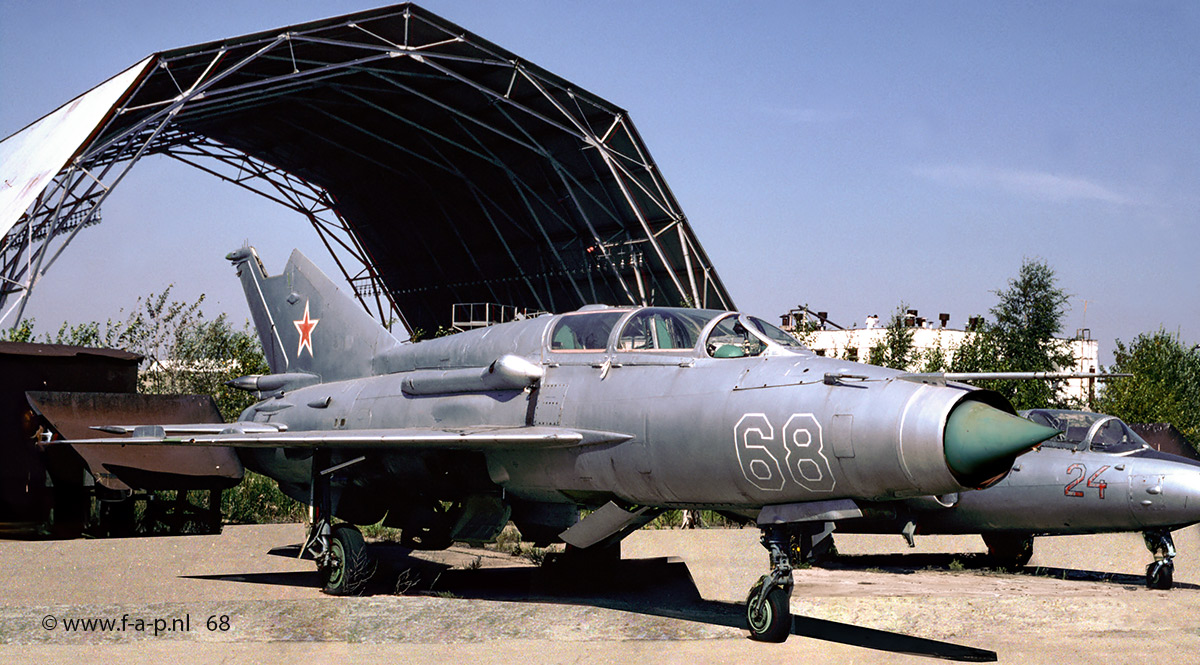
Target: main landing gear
[343, 563]
[768, 611]
[1160, 574]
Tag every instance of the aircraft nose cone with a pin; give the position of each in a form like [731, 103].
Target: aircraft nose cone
[981, 441]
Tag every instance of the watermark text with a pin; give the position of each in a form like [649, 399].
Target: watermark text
[138, 624]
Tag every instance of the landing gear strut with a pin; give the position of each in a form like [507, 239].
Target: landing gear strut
[768, 611]
[343, 563]
[1160, 574]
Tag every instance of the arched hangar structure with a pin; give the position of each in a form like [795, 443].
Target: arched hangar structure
[437, 167]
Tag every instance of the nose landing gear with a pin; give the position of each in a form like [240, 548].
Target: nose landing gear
[768, 611]
[1160, 574]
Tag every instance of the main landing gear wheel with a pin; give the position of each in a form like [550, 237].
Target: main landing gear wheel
[769, 617]
[343, 564]
[348, 567]
[768, 610]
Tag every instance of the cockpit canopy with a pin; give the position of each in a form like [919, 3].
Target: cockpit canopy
[715, 333]
[1084, 430]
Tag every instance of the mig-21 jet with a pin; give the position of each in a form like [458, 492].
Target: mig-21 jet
[625, 411]
[1097, 476]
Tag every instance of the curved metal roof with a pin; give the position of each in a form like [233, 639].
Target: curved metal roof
[438, 167]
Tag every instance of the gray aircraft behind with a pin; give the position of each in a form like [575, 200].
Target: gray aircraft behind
[1097, 476]
[624, 411]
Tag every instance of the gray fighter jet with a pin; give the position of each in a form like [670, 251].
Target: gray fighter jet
[623, 411]
[1097, 476]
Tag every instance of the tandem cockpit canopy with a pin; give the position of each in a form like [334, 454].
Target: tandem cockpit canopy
[668, 329]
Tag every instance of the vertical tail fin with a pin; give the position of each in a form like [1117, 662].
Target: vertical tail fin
[305, 323]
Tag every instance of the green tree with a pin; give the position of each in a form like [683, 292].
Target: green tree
[208, 355]
[83, 334]
[22, 332]
[420, 334]
[155, 329]
[896, 350]
[1028, 316]
[1165, 386]
[979, 350]
[933, 359]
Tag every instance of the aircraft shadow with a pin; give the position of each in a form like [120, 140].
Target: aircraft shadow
[906, 564]
[664, 587]
[293, 579]
[661, 587]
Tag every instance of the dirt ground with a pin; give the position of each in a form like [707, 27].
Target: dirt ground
[243, 597]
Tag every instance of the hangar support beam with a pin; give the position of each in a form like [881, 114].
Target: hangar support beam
[435, 166]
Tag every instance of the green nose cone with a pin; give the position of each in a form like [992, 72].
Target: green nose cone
[981, 439]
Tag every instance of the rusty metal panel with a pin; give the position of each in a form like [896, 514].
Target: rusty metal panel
[71, 416]
[26, 495]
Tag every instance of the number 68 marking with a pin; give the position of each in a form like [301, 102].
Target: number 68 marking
[800, 447]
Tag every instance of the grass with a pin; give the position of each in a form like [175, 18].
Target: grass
[379, 532]
[258, 500]
[508, 540]
[535, 555]
[406, 581]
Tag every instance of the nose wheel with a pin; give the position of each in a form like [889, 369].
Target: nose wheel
[1160, 574]
[768, 611]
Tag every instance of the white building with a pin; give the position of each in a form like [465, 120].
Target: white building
[855, 344]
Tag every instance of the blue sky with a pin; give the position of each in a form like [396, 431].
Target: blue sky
[845, 155]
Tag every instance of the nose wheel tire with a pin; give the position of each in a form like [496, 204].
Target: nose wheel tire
[349, 566]
[1160, 575]
[769, 617]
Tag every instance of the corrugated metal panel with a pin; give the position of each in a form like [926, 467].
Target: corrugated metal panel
[31, 158]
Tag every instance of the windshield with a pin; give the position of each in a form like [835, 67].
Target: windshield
[739, 336]
[730, 339]
[774, 334]
[1083, 430]
[1114, 436]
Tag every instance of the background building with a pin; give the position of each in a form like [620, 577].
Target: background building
[834, 341]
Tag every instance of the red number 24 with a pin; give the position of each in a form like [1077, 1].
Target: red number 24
[1093, 481]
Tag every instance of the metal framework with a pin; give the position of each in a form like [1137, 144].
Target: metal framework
[436, 167]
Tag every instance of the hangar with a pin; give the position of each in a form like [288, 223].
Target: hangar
[438, 168]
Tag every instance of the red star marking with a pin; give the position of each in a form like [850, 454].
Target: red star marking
[305, 327]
